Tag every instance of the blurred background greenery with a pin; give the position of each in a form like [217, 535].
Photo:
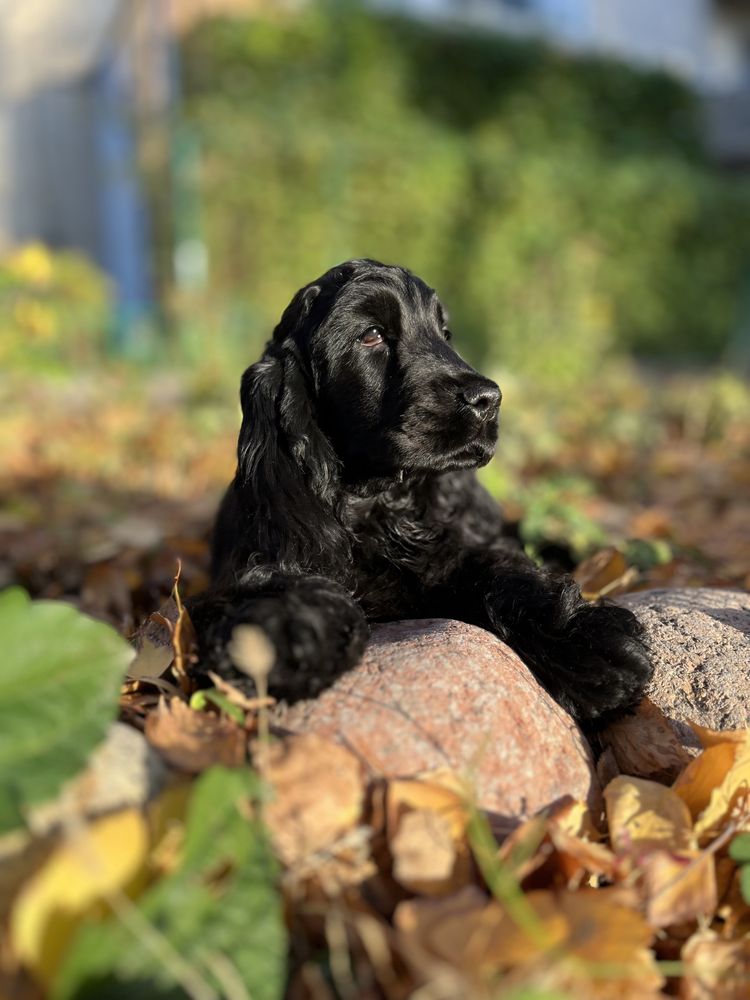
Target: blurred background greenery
[592, 247]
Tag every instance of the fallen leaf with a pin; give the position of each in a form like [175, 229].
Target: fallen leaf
[715, 737]
[678, 886]
[318, 794]
[193, 741]
[91, 863]
[439, 791]
[715, 969]
[644, 815]
[606, 572]
[150, 661]
[703, 775]
[424, 855]
[426, 823]
[716, 785]
[645, 745]
[590, 928]
[559, 849]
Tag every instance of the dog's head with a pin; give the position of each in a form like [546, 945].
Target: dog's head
[361, 379]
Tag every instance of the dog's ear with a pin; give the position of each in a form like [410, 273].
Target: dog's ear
[281, 448]
[286, 467]
[279, 437]
[296, 316]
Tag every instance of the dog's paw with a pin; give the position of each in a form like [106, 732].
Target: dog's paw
[317, 633]
[604, 663]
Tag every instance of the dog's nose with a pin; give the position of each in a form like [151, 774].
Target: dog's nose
[483, 397]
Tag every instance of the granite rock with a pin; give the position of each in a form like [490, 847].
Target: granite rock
[700, 644]
[433, 694]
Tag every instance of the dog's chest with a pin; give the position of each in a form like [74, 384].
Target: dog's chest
[392, 544]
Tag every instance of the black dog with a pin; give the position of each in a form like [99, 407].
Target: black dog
[355, 501]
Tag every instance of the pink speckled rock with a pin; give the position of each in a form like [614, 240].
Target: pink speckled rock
[434, 693]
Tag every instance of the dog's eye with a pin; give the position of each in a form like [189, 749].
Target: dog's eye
[372, 336]
[447, 334]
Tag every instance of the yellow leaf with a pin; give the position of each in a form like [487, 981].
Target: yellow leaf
[644, 815]
[714, 737]
[94, 861]
[702, 776]
[716, 785]
[440, 791]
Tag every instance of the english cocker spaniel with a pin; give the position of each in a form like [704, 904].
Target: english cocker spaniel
[355, 501]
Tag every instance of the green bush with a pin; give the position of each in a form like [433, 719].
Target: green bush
[562, 206]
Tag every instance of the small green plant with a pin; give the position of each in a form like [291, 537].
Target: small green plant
[739, 851]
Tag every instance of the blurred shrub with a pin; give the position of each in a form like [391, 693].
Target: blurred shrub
[53, 309]
[561, 206]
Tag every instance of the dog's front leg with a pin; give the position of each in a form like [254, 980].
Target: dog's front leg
[317, 630]
[590, 657]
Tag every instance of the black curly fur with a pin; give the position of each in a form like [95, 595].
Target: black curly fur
[355, 501]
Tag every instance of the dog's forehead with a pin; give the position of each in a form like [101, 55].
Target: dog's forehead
[392, 288]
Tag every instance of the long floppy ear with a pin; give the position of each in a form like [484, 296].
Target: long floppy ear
[286, 466]
[280, 441]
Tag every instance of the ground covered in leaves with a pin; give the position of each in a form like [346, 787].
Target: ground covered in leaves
[106, 481]
[263, 863]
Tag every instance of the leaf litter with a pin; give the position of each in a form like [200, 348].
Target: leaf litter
[404, 880]
[390, 888]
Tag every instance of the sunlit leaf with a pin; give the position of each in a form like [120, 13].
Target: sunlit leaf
[58, 694]
[215, 920]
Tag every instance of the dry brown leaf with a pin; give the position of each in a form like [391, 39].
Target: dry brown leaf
[318, 794]
[150, 661]
[560, 849]
[439, 791]
[716, 785]
[644, 815]
[606, 572]
[678, 886]
[589, 932]
[192, 741]
[425, 858]
[653, 522]
[578, 857]
[715, 969]
[426, 821]
[645, 745]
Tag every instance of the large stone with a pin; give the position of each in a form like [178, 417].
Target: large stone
[700, 643]
[434, 694]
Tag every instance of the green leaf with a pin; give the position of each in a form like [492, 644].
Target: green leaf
[61, 673]
[216, 919]
[745, 882]
[739, 849]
